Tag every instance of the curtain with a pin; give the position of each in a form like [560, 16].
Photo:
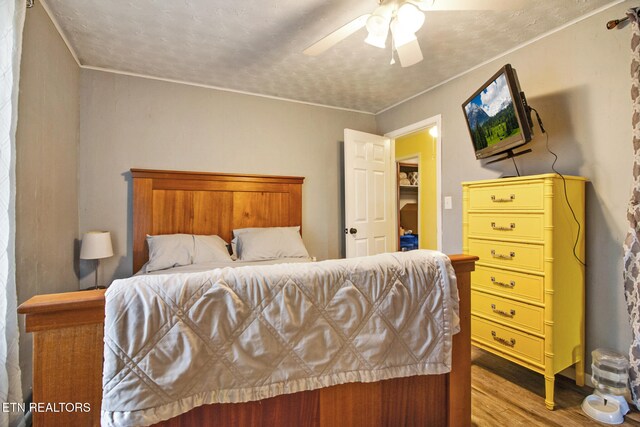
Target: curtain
[631, 273]
[11, 23]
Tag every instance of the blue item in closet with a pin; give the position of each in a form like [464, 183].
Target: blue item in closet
[408, 242]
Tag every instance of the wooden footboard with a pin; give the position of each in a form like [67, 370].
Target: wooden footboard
[67, 368]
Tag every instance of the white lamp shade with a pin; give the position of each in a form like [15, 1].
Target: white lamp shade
[378, 29]
[410, 17]
[96, 245]
[401, 36]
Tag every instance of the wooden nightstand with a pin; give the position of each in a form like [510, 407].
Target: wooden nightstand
[56, 349]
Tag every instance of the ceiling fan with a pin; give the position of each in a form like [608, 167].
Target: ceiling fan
[403, 18]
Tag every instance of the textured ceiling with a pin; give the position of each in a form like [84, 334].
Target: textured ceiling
[256, 46]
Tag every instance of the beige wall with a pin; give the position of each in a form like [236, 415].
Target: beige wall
[128, 122]
[578, 79]
[46, 168]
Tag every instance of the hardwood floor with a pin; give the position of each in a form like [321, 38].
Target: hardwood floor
[505, 394]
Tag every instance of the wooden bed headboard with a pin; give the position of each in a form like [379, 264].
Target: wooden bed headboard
[168, 202]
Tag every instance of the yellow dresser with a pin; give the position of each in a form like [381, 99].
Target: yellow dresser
[527, 302]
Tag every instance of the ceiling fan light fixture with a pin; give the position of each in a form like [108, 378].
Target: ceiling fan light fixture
[378, 29]
[400, 34]
[410, 17]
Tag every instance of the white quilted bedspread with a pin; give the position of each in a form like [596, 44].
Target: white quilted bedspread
[176, 341]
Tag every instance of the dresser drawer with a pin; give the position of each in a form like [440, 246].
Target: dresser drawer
[504, 197]
[505, 254]
[515, 343]
[509, 283]
[512, 313]
[507, 226]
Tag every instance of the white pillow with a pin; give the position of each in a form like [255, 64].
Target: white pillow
[169, 250]
[209, 248]
[239, 231]
[269, 243]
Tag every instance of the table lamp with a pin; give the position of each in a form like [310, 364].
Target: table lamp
[96, 245]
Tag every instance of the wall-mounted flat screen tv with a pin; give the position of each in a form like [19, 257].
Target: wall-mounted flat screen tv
[497, 115]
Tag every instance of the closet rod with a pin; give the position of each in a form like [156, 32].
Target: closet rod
[615, 22]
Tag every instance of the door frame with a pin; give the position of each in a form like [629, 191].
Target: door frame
[423, 124]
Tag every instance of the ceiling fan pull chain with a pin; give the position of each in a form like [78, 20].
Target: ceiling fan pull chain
[393, 48]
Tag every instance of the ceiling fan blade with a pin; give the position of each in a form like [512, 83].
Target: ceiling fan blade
[337, 36]
[442, 5]
[409, 53]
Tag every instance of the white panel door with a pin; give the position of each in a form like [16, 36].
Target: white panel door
[369, 199]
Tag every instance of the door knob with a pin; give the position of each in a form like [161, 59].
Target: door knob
[353, 230]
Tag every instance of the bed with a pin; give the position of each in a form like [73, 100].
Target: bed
[166, 202]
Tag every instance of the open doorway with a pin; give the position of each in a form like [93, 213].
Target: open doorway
[408, 170]
[417, 155]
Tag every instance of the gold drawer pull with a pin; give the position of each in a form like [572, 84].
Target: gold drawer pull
[502, 256]
[503, 341]
[511, 284]
[495, 199]
[510, 313]
[503, 228]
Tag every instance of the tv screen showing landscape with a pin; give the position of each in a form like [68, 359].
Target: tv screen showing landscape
[491, 115]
